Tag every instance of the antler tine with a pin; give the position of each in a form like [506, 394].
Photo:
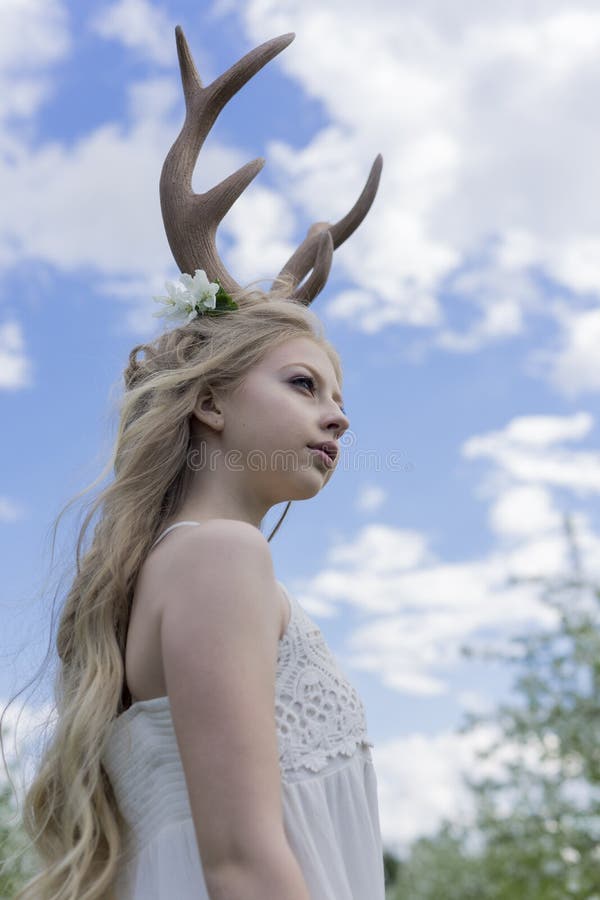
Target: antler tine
[323, 259]
[306, 256]
[191, 219]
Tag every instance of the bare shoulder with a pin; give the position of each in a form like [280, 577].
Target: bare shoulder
[180, 570]
[234, 528]
[224, 553]
[214, 543]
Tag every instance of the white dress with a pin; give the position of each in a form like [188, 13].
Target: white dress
[329, 786]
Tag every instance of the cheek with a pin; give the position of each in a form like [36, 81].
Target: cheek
[270, 415]
[279, 405]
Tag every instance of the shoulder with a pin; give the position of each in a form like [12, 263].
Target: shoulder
[222, 537]
[224, 562]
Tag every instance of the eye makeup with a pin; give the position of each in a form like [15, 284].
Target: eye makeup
[307, 379]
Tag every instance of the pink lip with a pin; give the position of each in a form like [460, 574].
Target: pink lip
[324, 456]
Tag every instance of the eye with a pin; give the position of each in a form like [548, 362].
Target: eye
[307, 379]
[311, 381]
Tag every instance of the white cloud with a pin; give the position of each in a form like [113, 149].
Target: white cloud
[418, 609]
[420, 782]
[501, 319]
[543, 431]
[16, 368]
[23, 731]
[524, 451]
[261, 225]
[579, 263]
[383, 550]
[485, 118]
[500, 291]
[574, 366]
[33, 35]
[10, 511]
[90, 204]
[141, 26]
[370, 497]
[418, 621]
[524, 510]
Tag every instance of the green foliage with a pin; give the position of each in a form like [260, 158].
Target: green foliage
[537, 825]
[391, 867]
[16, 861]
[439, 867]
[223, 301]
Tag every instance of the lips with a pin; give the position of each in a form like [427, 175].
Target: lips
[328, 447]
[325, 458]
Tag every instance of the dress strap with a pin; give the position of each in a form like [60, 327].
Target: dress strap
[170, 528]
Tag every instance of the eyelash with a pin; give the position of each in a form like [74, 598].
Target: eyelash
[311, 381]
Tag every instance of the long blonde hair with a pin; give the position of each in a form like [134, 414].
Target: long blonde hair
[70, 813]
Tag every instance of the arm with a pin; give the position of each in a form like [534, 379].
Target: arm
[219, 628]
[273, 875]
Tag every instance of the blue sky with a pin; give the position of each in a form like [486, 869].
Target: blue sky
[465, 310]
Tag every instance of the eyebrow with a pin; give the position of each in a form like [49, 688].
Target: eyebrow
[337, 396]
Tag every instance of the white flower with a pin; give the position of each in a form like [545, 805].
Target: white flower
[187, 298]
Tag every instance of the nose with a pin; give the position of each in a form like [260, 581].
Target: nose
[337, 422]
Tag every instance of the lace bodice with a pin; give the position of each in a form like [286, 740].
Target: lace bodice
[318, 713]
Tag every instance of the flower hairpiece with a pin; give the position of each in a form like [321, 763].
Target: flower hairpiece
[191, 297]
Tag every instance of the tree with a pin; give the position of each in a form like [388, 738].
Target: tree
[439, 867]
[537, 826]
[16, 861]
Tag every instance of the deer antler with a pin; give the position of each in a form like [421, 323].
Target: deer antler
[191, 219]
[307, 254]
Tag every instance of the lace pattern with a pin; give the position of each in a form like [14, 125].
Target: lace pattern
[319, 714]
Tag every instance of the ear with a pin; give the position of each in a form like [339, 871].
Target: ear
[209, 412]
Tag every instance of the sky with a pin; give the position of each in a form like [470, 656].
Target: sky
[465, 310]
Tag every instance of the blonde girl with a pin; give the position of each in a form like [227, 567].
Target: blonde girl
[207, 745]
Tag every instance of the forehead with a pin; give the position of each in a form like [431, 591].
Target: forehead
[300, 350]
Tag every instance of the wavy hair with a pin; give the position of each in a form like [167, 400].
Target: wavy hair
[70, 814]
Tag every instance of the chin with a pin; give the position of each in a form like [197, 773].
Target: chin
[312, 490]
[306, 491]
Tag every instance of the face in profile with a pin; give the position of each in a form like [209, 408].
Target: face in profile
[264, 429]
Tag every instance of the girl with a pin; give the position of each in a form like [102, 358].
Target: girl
[207, 744]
